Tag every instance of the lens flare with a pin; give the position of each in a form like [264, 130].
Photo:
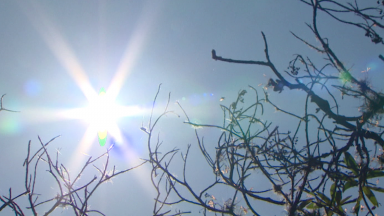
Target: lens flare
[100, 115]
[102, 134]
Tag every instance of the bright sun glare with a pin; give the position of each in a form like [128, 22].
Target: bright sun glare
[101, 114]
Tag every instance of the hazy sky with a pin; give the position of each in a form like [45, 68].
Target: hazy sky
[53, 54]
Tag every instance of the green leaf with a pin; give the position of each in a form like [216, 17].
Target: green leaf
[345, 77]
[379, 189]
[332, 190]
[349, 184]
[304, 203]
[341, 209]
[345, 200]
[374, 174]
[370, 195]
[324, 198]
[312, 206]
[338, 197]
[309, 192]
[351, 163]
[340, 176]
[357, 206]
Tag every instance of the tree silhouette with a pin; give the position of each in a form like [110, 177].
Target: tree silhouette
[327, 163]
[70, 194]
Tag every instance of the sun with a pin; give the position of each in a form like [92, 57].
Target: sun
[102, 114]
[103, 111]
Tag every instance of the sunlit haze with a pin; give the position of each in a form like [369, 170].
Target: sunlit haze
[89, 72]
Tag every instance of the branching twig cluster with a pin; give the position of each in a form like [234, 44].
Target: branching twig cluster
[69, 195]
[312, 166]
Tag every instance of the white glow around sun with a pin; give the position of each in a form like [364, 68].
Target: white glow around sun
[102, 114]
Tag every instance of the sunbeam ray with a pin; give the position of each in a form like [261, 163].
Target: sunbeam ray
[61, 49]
[58, 45]
[132, 50]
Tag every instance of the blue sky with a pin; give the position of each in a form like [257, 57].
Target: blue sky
[53, 52]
